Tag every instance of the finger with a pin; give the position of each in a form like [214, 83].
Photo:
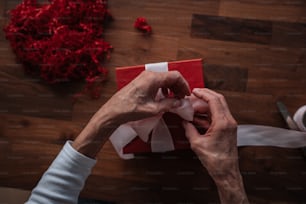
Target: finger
[190, 131]
[201, 126]
[220, 96]
[199, 105]
[166, 104]
[223, 102]
[214, 102]
[175, 82]
[203, 123]
[223, 112]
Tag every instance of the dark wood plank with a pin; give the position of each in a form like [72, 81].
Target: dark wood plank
[289, 34]
[25, 129]
[2, 8]
[13, 195]
[278, 10]
[221, 77]
[8, 5]
[26, 97]
[276, 33]
[231, 29]
[266, 176]
[183, 189]
[246, 109]
[276, 81]
[2, 24]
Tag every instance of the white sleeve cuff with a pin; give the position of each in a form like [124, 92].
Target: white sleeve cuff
[77, 157]
[64, 179]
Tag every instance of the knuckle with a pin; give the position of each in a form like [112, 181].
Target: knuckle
[226, 124]
[213, 98]
[220, 96]
[234, 123]
[176, 74]
[153, 109]
[147, 74]
[195, 144]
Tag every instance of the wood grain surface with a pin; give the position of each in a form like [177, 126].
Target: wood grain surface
[254, 53]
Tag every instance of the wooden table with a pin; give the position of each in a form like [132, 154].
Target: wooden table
[254, 53]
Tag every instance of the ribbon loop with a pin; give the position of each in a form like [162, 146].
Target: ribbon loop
[161, 140]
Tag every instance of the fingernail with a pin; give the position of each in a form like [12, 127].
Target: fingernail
[177, 103]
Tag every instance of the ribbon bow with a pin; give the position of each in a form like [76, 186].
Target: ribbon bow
[161, 139]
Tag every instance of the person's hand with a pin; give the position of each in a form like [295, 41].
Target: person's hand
[133, 102]
[137, 99]
[217, 148]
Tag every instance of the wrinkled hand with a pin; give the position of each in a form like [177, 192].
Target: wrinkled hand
[133, 102]
[217, 148]
[137, 100]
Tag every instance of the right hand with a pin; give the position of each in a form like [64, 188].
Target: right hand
[217, 148]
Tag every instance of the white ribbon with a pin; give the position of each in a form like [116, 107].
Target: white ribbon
[248, 135]
[300, 118]
[259, 135]
[157, 67]
[161, 139]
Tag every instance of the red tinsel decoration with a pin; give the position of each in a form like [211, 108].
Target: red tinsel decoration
[61, 41]
[142, 25]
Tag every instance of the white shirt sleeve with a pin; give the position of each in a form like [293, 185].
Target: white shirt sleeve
[64, 179]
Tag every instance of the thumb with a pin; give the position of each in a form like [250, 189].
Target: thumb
[190, 131]
[166, 104]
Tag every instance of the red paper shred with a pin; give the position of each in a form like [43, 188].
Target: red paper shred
[61, 41]
[142, 25]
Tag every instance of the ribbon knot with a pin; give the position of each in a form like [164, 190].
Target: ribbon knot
[161, 139]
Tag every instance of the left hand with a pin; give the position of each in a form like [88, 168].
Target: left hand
[137, 99]
[133, 102]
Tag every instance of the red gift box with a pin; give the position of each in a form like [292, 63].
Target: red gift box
[192, 71]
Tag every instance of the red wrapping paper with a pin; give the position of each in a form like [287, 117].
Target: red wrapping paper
[192, 71]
